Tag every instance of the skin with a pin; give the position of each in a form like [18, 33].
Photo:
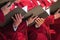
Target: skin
[39, 21]
[5, 9]
[17, 20]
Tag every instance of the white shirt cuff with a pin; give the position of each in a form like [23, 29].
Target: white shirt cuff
[15, 27]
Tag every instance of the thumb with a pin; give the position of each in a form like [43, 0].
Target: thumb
[35, 17]
[58, 10]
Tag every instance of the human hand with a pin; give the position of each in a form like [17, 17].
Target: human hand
[17, 20]
[5, 9]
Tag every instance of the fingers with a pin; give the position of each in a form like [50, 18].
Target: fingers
[58, 11]
[39, 20]
[35, 18]
[7, 4]
[13, 19]
[32, 16]
[17, 20]
[17, 17]
[31, 20]
[42, 19]
[21, 16]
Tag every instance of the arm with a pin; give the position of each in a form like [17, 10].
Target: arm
[21, 26]
[40, 23]
[50, 19]
[4, 11]
[17, 21]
